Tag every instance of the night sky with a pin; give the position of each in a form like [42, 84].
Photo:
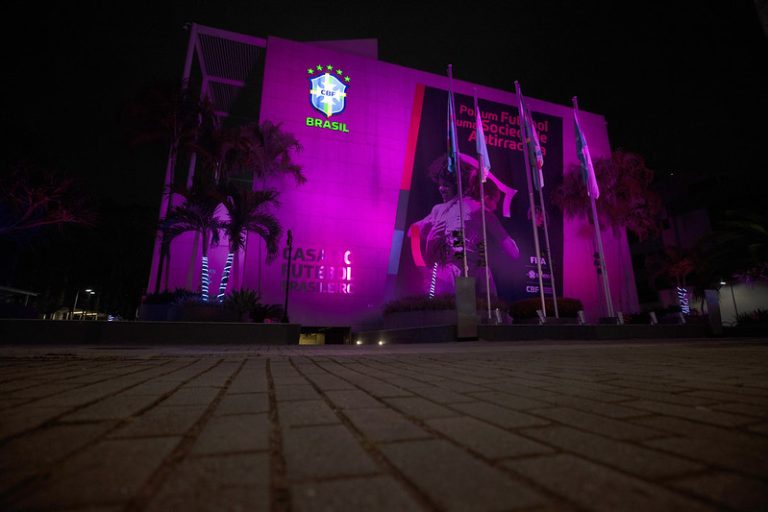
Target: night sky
[682, 85]
[679, 82]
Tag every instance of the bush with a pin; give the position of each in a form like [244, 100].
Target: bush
[263, 312]
[174, 297]
[242, 301]
[526, 308]
[441, 302]
[758, 316]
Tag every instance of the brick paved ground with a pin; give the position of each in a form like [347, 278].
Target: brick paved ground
[474, 426]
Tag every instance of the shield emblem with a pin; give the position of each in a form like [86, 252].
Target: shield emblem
[327, 94]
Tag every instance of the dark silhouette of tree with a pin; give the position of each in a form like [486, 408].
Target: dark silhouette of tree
[737, 248]
[32, 199]
[247, 212]
[198, 215]
[626, 199]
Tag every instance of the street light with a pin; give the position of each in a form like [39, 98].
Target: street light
[77, 295]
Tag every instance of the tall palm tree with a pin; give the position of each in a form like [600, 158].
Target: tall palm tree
[248, 212]
[270, 152]
[197, 214]
[738, 247]
[173, 116]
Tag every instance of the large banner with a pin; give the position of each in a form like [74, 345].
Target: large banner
[431, 255]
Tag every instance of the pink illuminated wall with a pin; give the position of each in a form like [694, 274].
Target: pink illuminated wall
[347, 210]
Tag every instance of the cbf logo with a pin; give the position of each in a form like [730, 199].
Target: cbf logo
[328, 94]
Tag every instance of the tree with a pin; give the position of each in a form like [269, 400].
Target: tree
[626, 199]
[247, 212]
[174, 116]
[32, 198]
[674, 263]
[737, 248]
[197, 214]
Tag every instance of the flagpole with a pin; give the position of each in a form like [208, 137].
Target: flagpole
[549, 253]
[598, 239]
[546, 241]
[457, 160]
[481, 177]
[523, 136]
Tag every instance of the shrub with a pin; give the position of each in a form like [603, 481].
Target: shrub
[526, 308]
[168, 297]
[758, 316]
[263, 312]
[242, 301]
[441, 302]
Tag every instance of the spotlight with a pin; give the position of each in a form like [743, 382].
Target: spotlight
[359, 342]
[381, 342]
[722, 283]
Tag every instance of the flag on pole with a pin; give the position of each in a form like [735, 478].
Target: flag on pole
[453, 150]
[537, 157]
[587, 169]
[480, 147]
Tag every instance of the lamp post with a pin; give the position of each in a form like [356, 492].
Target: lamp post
[77, 295]
[289, 242]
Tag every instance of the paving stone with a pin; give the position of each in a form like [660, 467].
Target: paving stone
[238, 482]
[485, 439]
[83, 481]
[154, 388]
[440, 395]
[628, 457]
[757, 411]
[324, 452]
[43, 390]
[597, 424]
[115, 407]
[380, 389]
[251, 379]
[666, 397]
[161, 421]
[509, 401]
[653, 385]
[731, 396]
[26, 418]
[382, 425]
[295, 392]
[761, 428]
[500, 416]
[227, 434]
[352, 399]
[420, 408]
[373, 494]
[596, 487]
[725, 455]
[36, 452]
[460, 387]
[328, 382]
[305, 412]
[454, 480]
[699, 413]
[243, 403]
[191, 396]
[728, 489]
[692, 429]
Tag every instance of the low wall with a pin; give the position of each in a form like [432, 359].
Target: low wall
[536, 332]
[24, 332]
